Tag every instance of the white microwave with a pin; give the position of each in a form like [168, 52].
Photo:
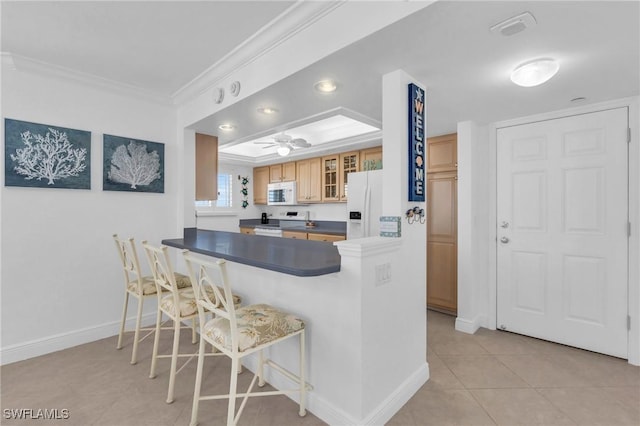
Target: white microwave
[281, 194]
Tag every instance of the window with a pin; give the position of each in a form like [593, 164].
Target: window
[225, 193]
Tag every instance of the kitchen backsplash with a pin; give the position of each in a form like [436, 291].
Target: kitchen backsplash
[330, 211]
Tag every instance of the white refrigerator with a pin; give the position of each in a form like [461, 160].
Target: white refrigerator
[364, 204]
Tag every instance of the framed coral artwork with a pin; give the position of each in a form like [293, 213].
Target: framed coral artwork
[132, 165]
[45, 156]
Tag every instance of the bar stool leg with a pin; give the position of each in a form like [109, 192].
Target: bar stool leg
[174, 358]
[261, 368]
[136, 334]
[124, 319]
[303, 385]
[233, 389]
[193, 330]
[156, 340]
[196, 391]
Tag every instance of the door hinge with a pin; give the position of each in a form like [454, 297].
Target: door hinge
[628, 322]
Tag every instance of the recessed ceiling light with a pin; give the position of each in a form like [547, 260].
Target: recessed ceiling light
[226, 127]
[535, 72]
[326, 86]
[267, 110]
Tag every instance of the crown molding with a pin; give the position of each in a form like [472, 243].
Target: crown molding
[25, 64]
[292, 21]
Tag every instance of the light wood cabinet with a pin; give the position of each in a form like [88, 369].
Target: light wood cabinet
[442, 224]
[248, 231]
[284, 172]
[296, 235]
[206, 167]
[325, 237]
[308, 178]
[371, 159]
[335, 169]
[260, 182]
[442, 153]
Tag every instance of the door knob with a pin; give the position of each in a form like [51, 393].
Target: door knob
[504, 224]
[504, 240]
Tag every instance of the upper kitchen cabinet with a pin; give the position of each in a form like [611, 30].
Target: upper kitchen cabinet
[371, 159]
[442, 153]
[282, 172]
[206, 167]
[260, 182]
[334, 175]
[308, 173]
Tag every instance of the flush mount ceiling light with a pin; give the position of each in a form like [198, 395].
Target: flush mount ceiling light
[283, 150]
[535, 72]
[226, 127]
[267, 110]
[326, 86]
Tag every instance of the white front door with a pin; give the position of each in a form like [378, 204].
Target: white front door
[562, 230]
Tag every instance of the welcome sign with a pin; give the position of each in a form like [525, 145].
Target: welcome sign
[416, 143]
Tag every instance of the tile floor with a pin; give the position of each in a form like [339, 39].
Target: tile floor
[488, 378]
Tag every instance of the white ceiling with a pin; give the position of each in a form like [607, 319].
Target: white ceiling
[162, 46]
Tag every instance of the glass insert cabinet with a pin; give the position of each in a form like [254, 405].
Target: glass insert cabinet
[335, 169]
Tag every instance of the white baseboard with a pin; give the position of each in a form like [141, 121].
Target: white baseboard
[469, 326]
[332, 415]
[58, 342]
[394, 402]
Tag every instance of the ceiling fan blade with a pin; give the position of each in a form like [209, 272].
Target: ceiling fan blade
[300, 143]
[265, 143]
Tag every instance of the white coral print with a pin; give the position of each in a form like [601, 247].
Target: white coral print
[51, 157]
[132, 164]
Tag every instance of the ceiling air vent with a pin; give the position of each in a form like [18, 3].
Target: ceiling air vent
[514, 25]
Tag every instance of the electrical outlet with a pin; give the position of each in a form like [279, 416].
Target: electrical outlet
[383, 273]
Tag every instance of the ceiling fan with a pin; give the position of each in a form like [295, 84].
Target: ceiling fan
[285, 144]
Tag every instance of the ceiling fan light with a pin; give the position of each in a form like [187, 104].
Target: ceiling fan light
[535, 72]
[283, 151]
[326, 86]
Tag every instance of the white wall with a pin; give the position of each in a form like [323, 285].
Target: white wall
[61, 282]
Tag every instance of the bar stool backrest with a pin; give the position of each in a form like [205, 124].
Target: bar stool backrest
[130, 263]
[207, 279]
[162, 270]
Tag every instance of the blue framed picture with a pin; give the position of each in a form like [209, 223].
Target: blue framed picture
[132, 165]
[45, 156]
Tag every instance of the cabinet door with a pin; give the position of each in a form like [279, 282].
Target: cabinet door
[442, 154]
[442, 264]
[349, 162]
[260, 182]
[309, 178]
[288, 171]
[247, 231]
[330, 176]
[302, 180]
[325, 237]
[315, 180]
[275, 173]
[371, 159]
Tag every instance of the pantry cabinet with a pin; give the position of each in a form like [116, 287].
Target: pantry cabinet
[442, 153]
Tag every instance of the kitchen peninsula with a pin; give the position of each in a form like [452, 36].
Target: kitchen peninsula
[289, 256]
[357, 310]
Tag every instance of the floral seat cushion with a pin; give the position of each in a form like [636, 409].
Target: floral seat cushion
[257, 325]
[187, 302]
[149, 285]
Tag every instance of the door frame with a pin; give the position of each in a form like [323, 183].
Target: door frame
[633, 273]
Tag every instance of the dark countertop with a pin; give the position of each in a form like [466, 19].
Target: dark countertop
[295, 257]
[322, 226]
